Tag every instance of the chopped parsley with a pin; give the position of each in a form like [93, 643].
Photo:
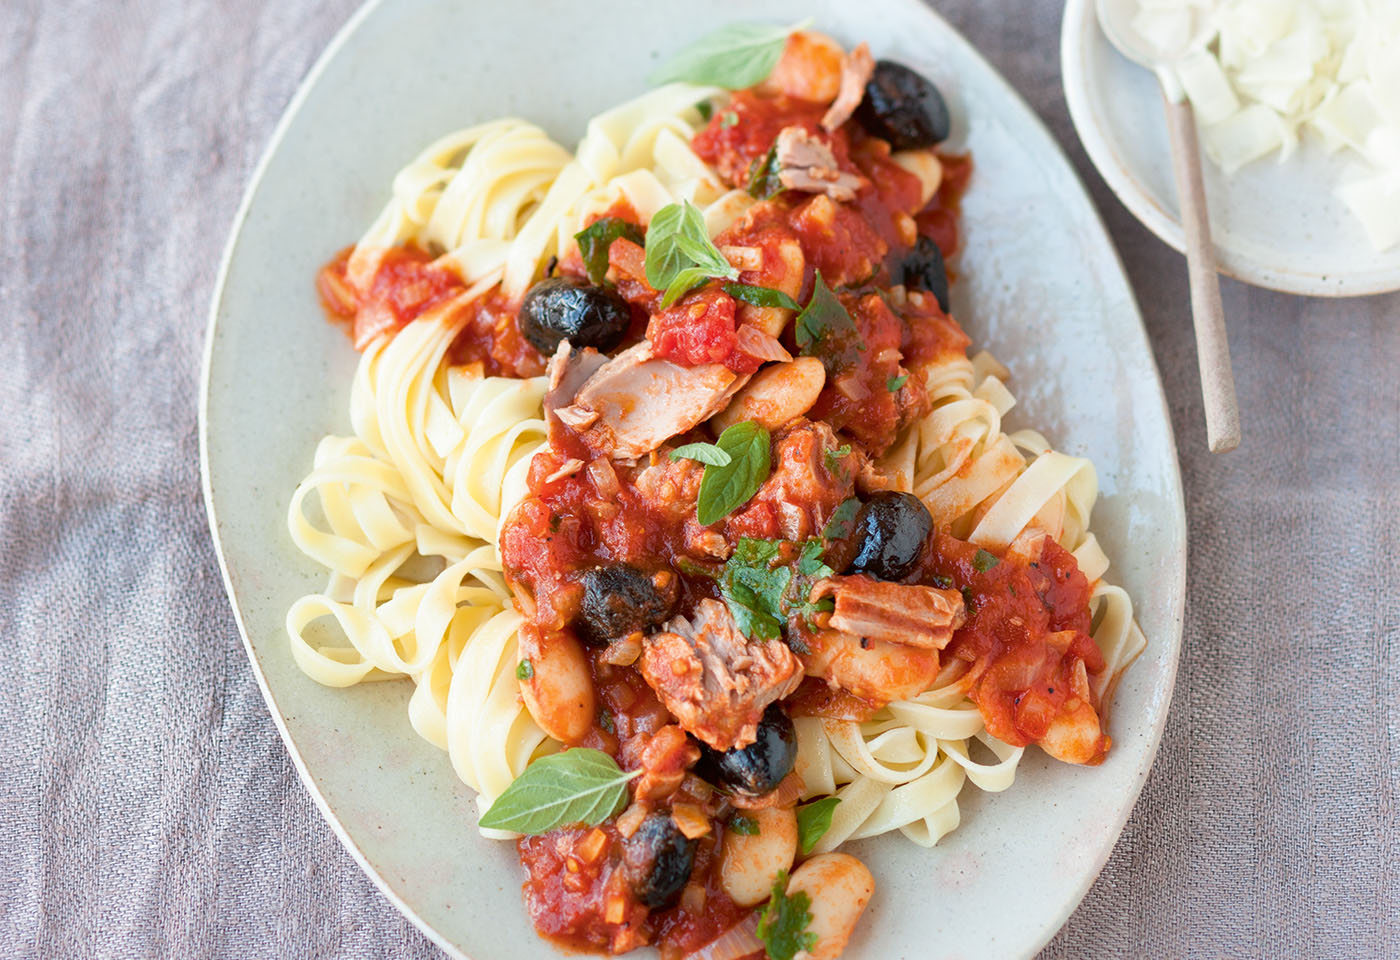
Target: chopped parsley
[984, 561]
[833, 457]
[895, 384]
[742, 825]
[782, 924]
[843, 521]
[524, 670]
[764, 582]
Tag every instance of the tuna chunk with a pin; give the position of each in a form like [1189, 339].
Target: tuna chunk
[806, 163]
[908, 614]
[713, 679]
[856, 70]
[635, 402]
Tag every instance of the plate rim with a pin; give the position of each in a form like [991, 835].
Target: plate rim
[1174, 611]
[1078, 26]
[240, 217]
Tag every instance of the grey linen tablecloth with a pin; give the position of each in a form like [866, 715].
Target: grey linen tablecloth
[147, 806]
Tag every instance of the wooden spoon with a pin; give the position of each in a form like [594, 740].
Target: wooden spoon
[1212, 346]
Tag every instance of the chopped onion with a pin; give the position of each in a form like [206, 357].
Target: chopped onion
[760, 345]
[784, 794]
[738, 941]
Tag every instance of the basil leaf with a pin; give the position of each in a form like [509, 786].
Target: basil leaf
[764, 180]
[582, 785]
[734, 56]
[826, 331]
[842, 520]
[761, 296]
[595, 239]
[782, 924]
[813, 821]
[895, 384]
[742, 825]
[724, 489]
[706, 109]
[984, 561]
[524, 670]
[685, 281]
[704, 452]
[679, 252]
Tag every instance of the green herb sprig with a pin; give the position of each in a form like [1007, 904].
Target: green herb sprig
[826, 331]
[725, 487]
[761, 296]
[782, 924]
[595, 240]
[813, 821]
[735, 56]
[680, 254]
[582, 785]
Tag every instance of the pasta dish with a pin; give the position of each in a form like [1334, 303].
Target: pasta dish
[673, 489]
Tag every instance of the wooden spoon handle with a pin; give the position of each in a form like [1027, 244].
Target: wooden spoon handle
[1212, 346]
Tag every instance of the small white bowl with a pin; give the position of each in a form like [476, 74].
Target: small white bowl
[1275, 224]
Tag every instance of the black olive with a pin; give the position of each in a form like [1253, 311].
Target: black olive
[923, 268]
[619, 599]
[758, 768]
[902, 107]
[890, 530]
[658, 859]
[572, 309]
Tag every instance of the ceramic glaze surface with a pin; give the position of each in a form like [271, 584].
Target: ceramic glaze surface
[1039, 285]
[1275, 225]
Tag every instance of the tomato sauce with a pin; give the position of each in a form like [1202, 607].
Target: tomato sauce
[1025, 643]
[1026, 632]
[700, 328]
[405, 284]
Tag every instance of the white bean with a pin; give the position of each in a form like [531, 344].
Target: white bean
[839, 887]
[784, 274]
[775, 395]
[925, 165]
[559, 691]
[748, 863]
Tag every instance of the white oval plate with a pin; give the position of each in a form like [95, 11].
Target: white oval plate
[1275, 225]
[1040, 285]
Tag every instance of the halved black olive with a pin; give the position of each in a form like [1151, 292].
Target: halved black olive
[619, 599]
[658, 859]
[890, 530]
[924, 269]
[758, 768]
[572, 309]
[902, 107]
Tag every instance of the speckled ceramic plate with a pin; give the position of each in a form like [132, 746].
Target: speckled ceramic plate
[1040, 285]
[1275, 225]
